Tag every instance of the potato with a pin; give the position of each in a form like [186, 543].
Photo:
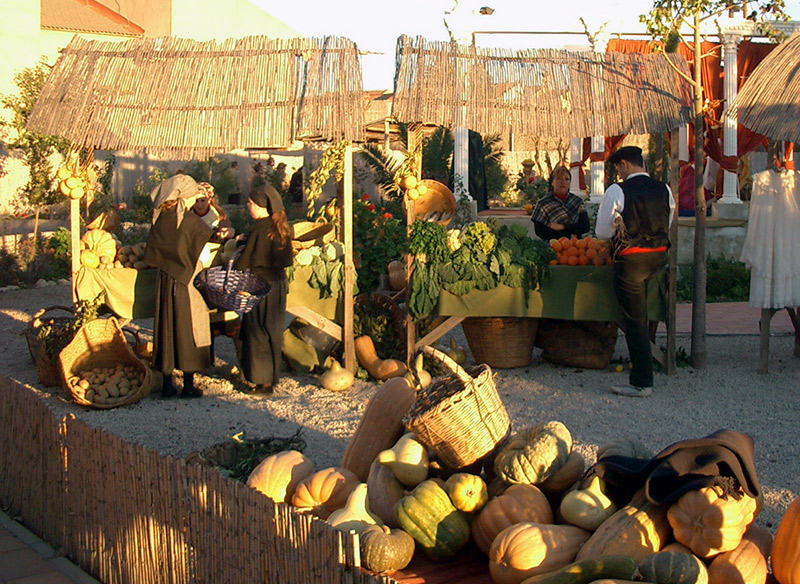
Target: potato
[141, 265]
[124, 390]
[100, 399]
[89, 396]
[84, 384]
[102, 391]
[113, 390]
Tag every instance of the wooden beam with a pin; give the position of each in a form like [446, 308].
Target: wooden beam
[75, 241]
[317, 320]
[349, 269]
[439, 331]
[672, 259]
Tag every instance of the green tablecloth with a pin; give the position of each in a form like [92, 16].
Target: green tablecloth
[130, 293]
[570, 293]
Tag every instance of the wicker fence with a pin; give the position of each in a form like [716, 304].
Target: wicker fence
[127, 514]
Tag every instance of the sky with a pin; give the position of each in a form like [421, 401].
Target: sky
[374, 25]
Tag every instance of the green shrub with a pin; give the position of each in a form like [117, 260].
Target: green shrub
[727, 281]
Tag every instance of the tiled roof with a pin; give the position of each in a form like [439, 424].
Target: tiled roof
[86, 16]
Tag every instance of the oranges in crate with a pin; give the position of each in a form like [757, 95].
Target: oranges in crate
[580, 252]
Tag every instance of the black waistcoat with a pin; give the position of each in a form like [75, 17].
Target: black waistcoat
[646, 213]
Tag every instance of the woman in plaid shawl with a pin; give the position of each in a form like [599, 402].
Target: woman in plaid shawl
[560, 213]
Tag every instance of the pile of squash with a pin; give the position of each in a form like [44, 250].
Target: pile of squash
[530, 507]
[132, 256]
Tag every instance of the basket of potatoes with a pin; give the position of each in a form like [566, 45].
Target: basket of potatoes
[131, 256]
[100, 370]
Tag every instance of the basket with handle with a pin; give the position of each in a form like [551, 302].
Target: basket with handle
[229, 289]
[307, 234]
[46, 366]
[461, 417]
[100, 348]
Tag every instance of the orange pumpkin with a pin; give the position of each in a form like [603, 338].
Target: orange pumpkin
[708, 523]
[325, 491]
[517, 504]
[743, 565]
[526, 549]
[786, 547]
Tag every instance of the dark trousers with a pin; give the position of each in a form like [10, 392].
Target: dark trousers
[631, 274]
[261, 337]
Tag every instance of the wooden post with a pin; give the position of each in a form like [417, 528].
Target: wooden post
[347, 208]
[414, 138]
[75, 241]
[672, 256]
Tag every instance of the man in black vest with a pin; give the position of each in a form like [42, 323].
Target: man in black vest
[635, 215]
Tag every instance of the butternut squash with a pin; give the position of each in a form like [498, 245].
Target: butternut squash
[380, 369]
[355, 514]
[383, 492]
[408, 459]
[380, 426]
[587, 571]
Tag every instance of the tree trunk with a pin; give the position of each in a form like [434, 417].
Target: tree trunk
[698, 356]
[36, 222]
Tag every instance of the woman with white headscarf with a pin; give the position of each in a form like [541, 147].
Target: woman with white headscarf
[182, 337]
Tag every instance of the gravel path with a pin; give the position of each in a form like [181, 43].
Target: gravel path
[727, 394]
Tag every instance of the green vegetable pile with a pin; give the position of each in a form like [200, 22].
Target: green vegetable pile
[55, 336]
[479, 257]
[327, 268]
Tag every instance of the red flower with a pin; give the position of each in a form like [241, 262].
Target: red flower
[370, 207]
[365, 197]
[24, 215]
[388, 216]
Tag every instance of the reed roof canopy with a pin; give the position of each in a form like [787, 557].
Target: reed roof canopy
[188, 98]
[769, 101]
[538, 92]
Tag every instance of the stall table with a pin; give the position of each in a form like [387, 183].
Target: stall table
[130, 294]
[577, 293]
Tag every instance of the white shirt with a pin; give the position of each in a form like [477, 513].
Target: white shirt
[613, 203]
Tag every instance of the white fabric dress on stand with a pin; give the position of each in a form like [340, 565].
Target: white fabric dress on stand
[772, 247]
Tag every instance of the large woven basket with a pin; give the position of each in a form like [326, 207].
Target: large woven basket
[502, 342]
[229, 289]
[585, 344]
[101, 343]
[46, 367]
[460, 418]
[437, 201]
[308, 234]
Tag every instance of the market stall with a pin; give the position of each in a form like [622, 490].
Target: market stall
[768, 104]
[174, 98]
[539, 93]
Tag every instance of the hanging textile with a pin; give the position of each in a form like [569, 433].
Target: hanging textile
[749, 55]
[611, 143]
[772, 246]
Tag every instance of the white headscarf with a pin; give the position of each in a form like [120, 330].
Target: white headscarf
[180, 187]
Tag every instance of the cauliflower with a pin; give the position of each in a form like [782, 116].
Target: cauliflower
[453, 239]
[304, 257]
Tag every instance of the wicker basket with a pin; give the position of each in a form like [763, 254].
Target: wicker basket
[585, 344]
[101, 343]
[308, 234]
[46, 366]
[502, 342]
[437, 199]
[460, 418]
[229, 289]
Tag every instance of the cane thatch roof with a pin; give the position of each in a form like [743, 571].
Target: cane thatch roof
[192, 99]
[769, 101]
[542, 92]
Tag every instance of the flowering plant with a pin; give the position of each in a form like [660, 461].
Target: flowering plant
[378, 238]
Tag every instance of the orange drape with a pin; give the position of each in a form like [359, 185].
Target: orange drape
[749, 55]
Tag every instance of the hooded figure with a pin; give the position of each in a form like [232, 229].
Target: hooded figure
[182, 338]
[267, 253]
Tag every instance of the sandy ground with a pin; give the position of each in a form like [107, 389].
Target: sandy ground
[728, 393]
